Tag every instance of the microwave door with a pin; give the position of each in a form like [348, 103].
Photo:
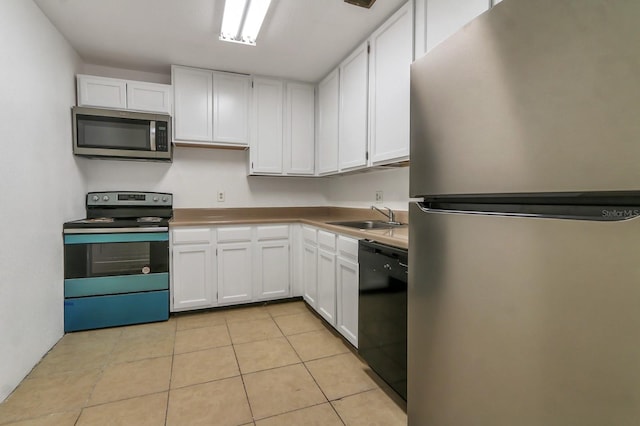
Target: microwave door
[106, 133]
[113, 133]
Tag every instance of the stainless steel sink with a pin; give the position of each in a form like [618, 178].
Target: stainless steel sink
[368, 224]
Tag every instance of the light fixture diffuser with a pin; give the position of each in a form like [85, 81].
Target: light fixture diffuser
[242, 20]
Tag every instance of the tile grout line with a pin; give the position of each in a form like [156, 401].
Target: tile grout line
[93, 388]
[244, 386]
[173, 357]
[349, 351]
[309, 372]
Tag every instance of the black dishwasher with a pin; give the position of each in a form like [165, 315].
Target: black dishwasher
[382, 312]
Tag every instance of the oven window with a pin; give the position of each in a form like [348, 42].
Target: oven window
[112, 259]
[112, 132]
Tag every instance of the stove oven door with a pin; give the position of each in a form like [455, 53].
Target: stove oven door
[115, 279]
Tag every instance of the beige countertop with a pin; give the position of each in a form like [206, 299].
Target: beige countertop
[315, 216]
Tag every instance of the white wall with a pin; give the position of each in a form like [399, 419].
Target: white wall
[40, 185]
[359, 190]
[196, 175]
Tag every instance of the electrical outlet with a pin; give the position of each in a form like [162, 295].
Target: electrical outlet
[379, 196]
[220, 196]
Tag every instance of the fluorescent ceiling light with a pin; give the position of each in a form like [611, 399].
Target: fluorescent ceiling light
[242, 20]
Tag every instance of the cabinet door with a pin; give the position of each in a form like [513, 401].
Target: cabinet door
[353, 110]
[266, 131]
[445, 17]
[328, 113]
[310, 274]
[299, 137]
[327, 286]
[231, 108]
[347, 286]
[235, 275]
[149, 97]
[192, 97]
[389, 73]
[272, 269]
[102, 92]
[192, 277]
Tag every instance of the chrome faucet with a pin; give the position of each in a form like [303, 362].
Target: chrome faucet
[390, 215]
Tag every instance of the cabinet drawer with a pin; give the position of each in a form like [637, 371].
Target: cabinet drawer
[309, 234]
[327, 240]
[192, 236]
[236, 234]
[277, 232]
[348, 247]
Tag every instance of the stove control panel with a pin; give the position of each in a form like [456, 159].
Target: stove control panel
[127, 198]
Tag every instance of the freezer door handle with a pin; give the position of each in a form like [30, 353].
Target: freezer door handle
[595, 213]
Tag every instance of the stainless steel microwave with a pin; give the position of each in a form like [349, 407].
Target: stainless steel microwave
[121, 134]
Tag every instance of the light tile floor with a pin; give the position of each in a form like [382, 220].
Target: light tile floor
[270, 365]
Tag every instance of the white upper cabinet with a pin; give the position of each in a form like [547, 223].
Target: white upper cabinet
[328, 113]
[389, 88]
[210, 108]
[299, 129]
[282, 128]
[149, 97]
[102, 92]
[231, 108]
[193, 104]
[352, 123]
[266, 126]
[105, 92]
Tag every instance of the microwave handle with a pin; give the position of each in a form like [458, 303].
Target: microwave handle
[152, 135]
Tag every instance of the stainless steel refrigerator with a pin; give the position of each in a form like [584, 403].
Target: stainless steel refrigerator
[524, 276]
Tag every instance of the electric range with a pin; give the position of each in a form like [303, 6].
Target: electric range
[116, 261]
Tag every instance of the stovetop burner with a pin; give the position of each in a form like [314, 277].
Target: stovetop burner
[129, 211]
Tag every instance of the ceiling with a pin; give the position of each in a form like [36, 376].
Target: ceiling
[300, 39]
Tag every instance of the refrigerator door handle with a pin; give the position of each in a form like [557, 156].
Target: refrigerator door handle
[595, 213]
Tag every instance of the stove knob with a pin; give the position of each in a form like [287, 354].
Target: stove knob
[95, 198]
[155, 199]
[105, 198]
[165, 199]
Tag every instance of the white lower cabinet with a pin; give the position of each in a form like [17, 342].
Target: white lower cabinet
[347, 298]
[226, 265]
[193, 277]
[309, 260]
[272, 263]
[330, 277]
[235, 278]
[193, 269]
[310, 273]
[327, 286]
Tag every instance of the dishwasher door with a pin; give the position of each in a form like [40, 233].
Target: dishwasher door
[382, 312]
